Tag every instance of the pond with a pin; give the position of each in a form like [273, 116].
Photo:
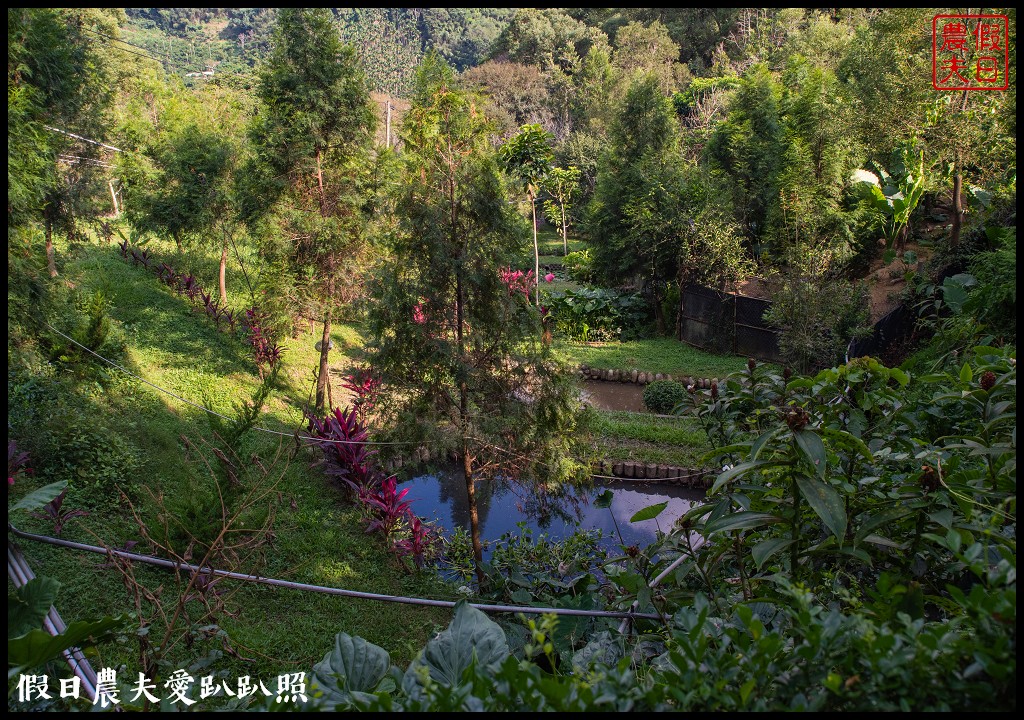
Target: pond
[501, 505]
[614, 396]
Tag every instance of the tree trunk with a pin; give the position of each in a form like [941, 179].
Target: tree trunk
[223, 271]
[467, 458]
[474, 517]
[565, 234]
[659, 315]
[958, 208]
[177, 241]
[536, 254]
[51, 261]
[681, 279]
[113, 198]
[325, 345]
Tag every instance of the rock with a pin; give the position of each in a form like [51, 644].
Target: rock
[609, 375]
[630, 469]
[618, 470]
[633, 375]
[650, 471]
[642, 378]
[659, 376]
[662, 472]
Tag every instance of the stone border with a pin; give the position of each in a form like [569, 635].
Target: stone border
[640, 377]
[626, 470]
[632, 470]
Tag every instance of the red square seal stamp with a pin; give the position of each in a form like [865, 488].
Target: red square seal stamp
[970, 52]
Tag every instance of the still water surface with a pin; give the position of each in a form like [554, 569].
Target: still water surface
[502, 504]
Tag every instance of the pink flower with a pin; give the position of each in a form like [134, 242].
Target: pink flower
[417, 314]
[518, 281]
[549, 277]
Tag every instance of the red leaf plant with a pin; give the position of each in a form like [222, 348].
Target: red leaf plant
[342, 439]
[55, 512]
[421, 545]
[387, 507]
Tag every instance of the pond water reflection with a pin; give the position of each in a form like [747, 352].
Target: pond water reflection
[614, 396]
[502, 504]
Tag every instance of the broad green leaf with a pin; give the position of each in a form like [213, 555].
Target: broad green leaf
[471, 637]
[354, 665]
[740, 521]
[943, 517]
[37, 646]
[877, 520]
[826, 503]
[901, 377]
[766, 548]
[966, 373]
[866, 176]
[604, 500]
[30, 605]
[37, 498]
[759, 444]
[649, 513]
[813, 448]
[736, 471]
[841, 437]
[603, 649]
[883, 541]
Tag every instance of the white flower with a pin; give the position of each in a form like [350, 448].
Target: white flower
[464, 590]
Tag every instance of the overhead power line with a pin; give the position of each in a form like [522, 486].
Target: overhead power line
[146, 53]
[85, 139]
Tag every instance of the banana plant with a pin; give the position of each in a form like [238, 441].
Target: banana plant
[893, 196]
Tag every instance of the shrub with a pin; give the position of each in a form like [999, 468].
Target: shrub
[580, 266]
[596, 313]
[817, 318]
[662, 396]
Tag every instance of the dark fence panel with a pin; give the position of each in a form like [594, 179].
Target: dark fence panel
[892, 327]
[726, 323]
[708, 319]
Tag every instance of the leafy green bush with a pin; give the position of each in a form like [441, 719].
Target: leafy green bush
[580, 266]
[89, 455]
[663, 396]
[994, 300]
[817, 317]
[596, 313]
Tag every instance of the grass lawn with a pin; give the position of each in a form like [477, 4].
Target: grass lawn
[317, 537]
[640, 436]
[663, 355]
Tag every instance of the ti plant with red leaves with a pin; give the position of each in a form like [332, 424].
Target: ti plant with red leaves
[17, 463]
[387, 505]
[365, 387]
[342, 438]
[421, 545]
[55, 512]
